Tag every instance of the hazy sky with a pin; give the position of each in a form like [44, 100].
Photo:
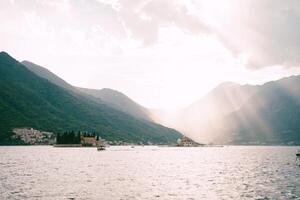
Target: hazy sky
[161, 53]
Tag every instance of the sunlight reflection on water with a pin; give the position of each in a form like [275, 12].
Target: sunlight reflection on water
[235, 172]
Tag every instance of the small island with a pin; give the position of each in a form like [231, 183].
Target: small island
[79, 139]
[187, 142]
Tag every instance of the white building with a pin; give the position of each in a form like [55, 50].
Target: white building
[32, 136]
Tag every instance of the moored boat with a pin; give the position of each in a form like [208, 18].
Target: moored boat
[100, 144]
[298, 157]
[100, 148]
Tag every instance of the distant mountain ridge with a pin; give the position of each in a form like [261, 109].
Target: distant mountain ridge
[112, 98]
[46, 74]
[198, 119]
[243, 114]
[118, 101]
[270, 116]
[29, 100]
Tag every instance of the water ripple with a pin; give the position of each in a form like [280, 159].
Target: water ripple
[149, 173]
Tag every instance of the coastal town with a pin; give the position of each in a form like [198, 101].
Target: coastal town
[31, 136]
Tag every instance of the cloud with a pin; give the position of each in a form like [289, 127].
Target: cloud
[144, 18]
[267, 31]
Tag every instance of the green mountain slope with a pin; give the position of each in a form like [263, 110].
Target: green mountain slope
[46, 74]
[112, 98]
[118, 101]
[29, 100]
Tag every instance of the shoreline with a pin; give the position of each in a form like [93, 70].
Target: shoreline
[81, 146]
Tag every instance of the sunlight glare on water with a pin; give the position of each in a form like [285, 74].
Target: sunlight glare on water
[234, 172]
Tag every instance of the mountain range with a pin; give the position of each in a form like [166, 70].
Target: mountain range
[32, 96]
[231, 113]
[242, 114]
[270, 116]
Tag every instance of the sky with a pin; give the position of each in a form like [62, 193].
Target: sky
[163, 54]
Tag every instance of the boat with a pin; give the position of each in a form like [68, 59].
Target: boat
[100, 144]
[100, 148]
[298, 157]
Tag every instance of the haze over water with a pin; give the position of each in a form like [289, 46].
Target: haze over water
[234, 172]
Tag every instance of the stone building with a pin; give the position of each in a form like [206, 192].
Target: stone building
[186, 142]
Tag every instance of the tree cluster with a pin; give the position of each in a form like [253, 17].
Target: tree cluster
[68, 137]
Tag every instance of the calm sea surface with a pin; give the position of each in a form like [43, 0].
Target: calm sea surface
[44, 172]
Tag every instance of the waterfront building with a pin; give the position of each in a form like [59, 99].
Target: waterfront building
[32, 136]
[186, 142]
